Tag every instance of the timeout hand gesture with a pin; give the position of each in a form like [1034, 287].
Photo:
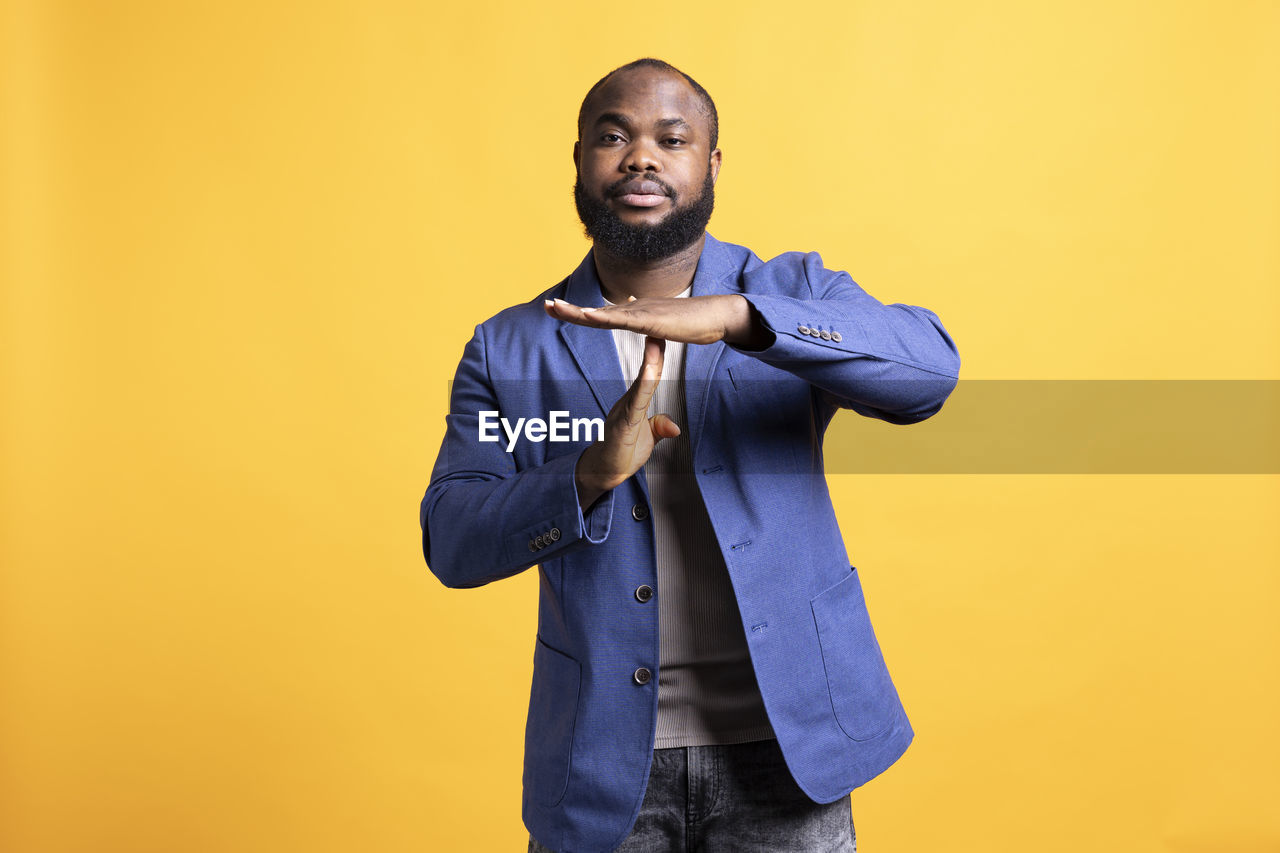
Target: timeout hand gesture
[629, 434]
[692, 320]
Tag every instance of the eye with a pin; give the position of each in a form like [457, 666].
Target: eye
[675, 141]
[610, 137]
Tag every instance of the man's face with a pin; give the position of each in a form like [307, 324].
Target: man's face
[646, 170]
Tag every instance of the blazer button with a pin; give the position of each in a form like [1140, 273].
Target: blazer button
[804, 330]
[533, 546]
[639, 512]
[642, 676]
[814, 333]
[644, 592]
[826, 336]
[835, 336]
[539, 541]
[554, 535]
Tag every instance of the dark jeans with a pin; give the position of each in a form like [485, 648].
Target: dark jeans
[732, 799]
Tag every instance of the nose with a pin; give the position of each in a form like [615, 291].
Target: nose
[642, 157]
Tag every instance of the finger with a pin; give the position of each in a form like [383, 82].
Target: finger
[646, 381]
[569, 312]
[623, 316]
[663, 427]
[654, 351]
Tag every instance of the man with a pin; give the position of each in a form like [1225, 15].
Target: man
[705, 673]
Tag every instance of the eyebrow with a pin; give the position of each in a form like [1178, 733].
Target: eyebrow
[623, 122]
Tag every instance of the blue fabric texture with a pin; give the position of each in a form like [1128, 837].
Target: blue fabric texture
[757, 419]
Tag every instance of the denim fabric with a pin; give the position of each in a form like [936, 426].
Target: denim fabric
[732, 799]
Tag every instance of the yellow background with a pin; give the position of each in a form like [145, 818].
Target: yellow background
[245, 242]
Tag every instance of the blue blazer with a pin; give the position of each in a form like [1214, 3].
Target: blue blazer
[756, 422]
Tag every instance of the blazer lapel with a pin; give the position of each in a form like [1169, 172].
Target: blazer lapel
[715, 267]
[593, 349]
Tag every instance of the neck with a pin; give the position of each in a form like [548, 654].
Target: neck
[621, 278]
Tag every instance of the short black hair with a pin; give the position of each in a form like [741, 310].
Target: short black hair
[650, 62]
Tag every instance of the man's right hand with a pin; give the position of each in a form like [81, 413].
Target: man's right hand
[629, 435]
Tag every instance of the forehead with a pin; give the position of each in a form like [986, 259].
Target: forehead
[647, 95]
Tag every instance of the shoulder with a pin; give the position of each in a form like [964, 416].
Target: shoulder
[798, 274]
[526, 317]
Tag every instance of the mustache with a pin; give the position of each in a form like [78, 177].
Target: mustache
[621, 187]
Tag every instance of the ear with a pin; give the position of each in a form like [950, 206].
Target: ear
[577, 155]
[715, 165]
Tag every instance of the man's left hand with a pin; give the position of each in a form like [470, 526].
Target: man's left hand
[691, 320]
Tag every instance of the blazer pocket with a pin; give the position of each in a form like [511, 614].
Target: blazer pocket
[548, 734]
[862, 694]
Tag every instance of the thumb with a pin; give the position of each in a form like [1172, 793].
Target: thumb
[663, 427]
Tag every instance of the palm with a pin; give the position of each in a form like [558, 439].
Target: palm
[629, 434]
[693, 320]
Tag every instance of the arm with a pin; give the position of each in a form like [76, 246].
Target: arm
[480, 515]
[894, 362]
[483, 520]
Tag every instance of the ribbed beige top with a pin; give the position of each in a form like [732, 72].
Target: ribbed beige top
[707, 692]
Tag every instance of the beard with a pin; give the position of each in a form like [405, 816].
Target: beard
[645, 243]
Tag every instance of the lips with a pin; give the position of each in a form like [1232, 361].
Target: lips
[642, 194]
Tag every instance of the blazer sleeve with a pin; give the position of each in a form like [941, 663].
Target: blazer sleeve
[482, 519]
[893, 362]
